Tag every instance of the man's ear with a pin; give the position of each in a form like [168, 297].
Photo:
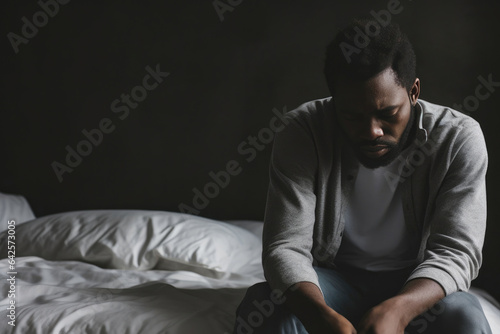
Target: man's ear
[415, 91]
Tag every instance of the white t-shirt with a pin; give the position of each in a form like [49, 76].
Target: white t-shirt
[375, 235]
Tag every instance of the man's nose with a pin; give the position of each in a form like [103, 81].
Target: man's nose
[371, 129]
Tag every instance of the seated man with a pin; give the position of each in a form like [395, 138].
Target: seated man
[376, 209]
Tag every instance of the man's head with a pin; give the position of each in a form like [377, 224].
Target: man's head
[374, 88]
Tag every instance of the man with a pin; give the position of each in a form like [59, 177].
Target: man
[376, 208]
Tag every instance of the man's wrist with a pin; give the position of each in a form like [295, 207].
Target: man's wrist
[416, 297]
[306, 301]
[402, 307]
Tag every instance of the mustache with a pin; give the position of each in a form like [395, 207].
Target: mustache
[376, 142]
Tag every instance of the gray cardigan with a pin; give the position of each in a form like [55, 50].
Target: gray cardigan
[442, 180]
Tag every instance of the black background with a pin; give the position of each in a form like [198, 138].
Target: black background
[225, 79]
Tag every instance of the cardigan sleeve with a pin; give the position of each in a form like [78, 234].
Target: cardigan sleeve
[452, 256]
[290, 208]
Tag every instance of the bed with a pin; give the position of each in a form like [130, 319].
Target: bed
[131, 271]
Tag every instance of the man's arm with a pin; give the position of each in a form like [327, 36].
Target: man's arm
[290, 208]
[289, 227]
[454, 232]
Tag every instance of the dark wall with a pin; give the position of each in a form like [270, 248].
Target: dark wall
[225, 78]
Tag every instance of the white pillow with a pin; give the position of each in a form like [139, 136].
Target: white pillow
[254, 226]
[141, 240]
[14, 207]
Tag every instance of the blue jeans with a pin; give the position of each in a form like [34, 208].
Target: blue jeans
[352, 292]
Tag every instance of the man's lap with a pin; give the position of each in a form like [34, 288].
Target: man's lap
[350, 292]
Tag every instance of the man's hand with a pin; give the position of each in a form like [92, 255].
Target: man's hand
[332, 323]
[393, 315]
[307, 303]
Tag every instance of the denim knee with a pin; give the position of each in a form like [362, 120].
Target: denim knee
[464, 314]
[262, 311]
[459, 313]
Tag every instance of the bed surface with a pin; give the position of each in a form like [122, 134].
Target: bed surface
[75, 297]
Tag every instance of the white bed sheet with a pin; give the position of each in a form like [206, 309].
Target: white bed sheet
[491, 308]
[78, 297]
[89, 299]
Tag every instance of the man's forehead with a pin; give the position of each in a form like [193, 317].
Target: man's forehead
[378, 92]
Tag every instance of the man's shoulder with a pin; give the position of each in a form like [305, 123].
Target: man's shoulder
[312, 122]
[443, 117]
[312, 108]
[315, 115]
[449, 129]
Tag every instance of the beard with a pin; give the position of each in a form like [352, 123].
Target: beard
[394, 149]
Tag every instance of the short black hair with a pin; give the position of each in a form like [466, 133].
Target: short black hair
[387, 46]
